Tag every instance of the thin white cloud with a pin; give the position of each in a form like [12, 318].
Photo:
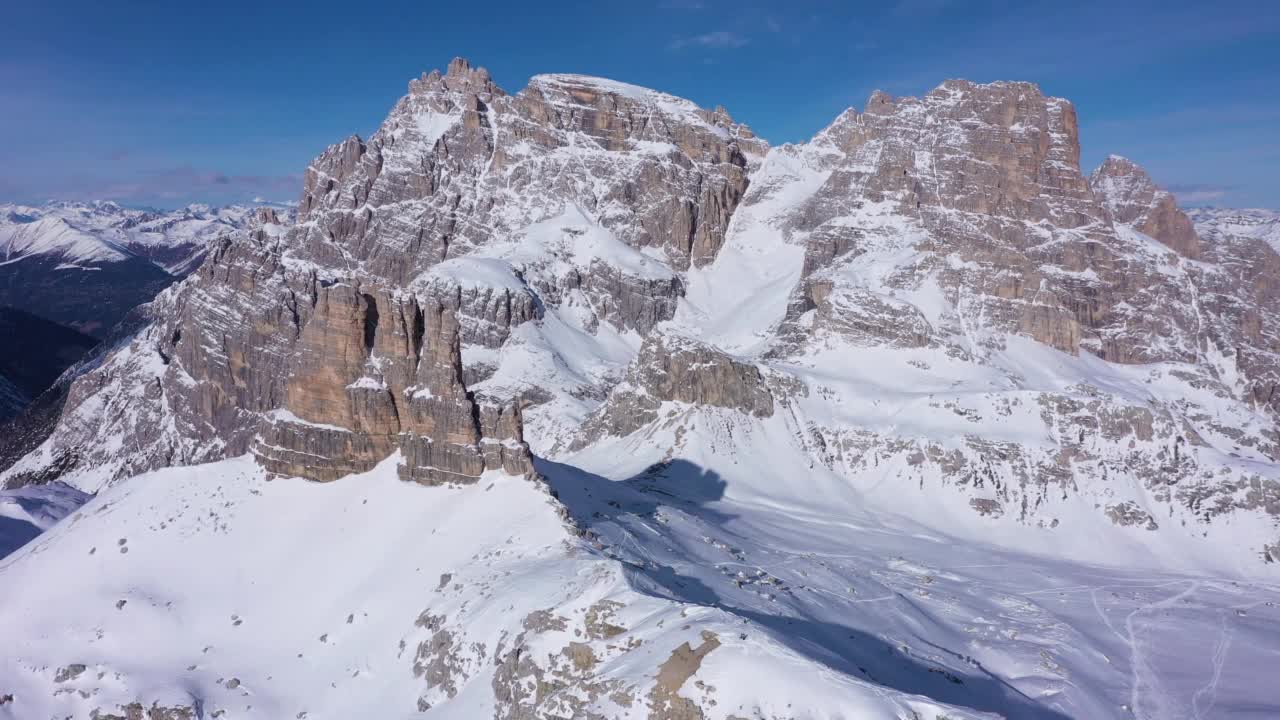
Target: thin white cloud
[161, 185]
[715, 40]
[1200, 196]
[1195, 193]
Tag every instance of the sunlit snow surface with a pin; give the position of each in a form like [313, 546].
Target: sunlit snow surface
[880, 596]
[875, 593]
[176, 582]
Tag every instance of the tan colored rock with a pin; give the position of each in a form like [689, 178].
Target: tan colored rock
[665, 701]
[376, 372]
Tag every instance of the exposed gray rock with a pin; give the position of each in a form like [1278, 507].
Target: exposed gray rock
[68, 673]
[674, 367]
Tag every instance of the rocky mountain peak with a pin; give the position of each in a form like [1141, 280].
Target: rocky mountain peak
[344, 337]
[459, 76]
[879, 102]
[620, 112]
[461, 67]
[1121, 166]
[976, 173]
[478, 165]
[1131, 197]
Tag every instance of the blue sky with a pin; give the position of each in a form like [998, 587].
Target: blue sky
[165, 103]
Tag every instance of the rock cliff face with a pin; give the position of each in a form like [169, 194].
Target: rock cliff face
[372, 374]
[1239, 287]
[459, 163]
[983, 185]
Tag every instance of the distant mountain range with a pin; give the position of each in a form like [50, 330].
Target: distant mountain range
[70, 271]
[1253, 223]
[85, 265]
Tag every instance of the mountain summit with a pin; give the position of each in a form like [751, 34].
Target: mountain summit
[911, 420]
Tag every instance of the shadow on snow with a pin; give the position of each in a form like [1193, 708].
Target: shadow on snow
[612, 510]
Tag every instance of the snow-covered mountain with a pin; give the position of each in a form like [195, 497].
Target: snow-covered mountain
[104, 231]
[1256, 223]
[86, 265]
[54, 237]
[913, 420]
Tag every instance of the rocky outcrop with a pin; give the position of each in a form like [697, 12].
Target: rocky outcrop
[863, 316]
[459, 162]
[319, 377]
[701, 155]
[666, 702]
[625, 300]
[1132, 197]
[139, 711]
[672, 367]
[487, 313]
[1234, 289]
[374, 373]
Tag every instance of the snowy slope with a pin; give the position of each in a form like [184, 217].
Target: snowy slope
[874, 589]
[433, 623]
[54, 237]
[380, 598]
